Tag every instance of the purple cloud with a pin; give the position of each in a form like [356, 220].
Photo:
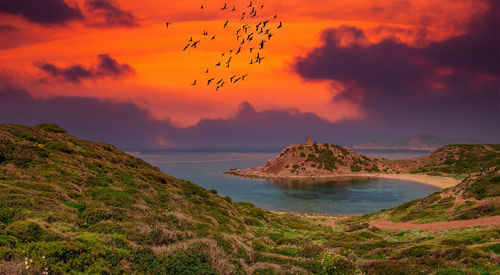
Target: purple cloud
[112, 14]
[46, 12]
[452, 84]
[106, 67]
[131, 127]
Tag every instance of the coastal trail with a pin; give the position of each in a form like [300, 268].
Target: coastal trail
[385, 224]
[487, 221]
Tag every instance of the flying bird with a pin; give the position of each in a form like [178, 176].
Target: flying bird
[206, 71]
[234, 8]
[167, 24]
[281, 25]
[201, 6]
[185, 48]
[210, 80]
[195, 44]
[225, 6]
[243, 77]
[194, 83]
[213, 37]
[262, 44]
[231, 78]
[217, 65]
[250, 5]
[225, 24]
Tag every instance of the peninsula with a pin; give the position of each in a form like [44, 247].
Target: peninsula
[443, 168]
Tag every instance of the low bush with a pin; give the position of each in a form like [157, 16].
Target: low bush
[49, 127]
[337, 264]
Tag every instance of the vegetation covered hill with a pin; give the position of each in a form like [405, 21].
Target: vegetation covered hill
[420, 142]
[476, 197]
[79, 207]
[322, 159]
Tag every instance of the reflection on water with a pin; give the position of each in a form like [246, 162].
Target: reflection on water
[346, 196]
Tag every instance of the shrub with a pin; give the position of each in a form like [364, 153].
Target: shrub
[355, 168]
[25, 231]
[337, 264]
[191, 262]
[78, 206]
[6, 215]
[58, 146]
[49, 127]
[91, 217]
[191, 189]
[311, 250]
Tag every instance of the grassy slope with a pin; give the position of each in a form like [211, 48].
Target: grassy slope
[73, 206]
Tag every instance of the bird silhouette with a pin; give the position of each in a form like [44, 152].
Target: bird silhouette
[251, 49]
[167, 24]
[262, 44]
[275, 16]
[250, 5]
[239, 50]
[190, 39]
[251, 61]
[225, 6]
[210, 81]
[185, 48]
[195, 44]
[243, 77]
[236, 80]
[217, 65]
[201, 6]
[231, 78]
[225, 24]
[261, 7]
[234, 8]
[206, 71]
[213, 37]
[194, 83]
[220, 81]
[281, 25]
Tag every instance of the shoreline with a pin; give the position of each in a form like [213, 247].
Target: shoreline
[436, 181]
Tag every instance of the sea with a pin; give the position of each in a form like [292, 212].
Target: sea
[357, 196]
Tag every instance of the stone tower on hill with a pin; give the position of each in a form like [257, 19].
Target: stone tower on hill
[309, 141]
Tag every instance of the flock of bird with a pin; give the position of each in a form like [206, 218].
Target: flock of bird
[251, 38]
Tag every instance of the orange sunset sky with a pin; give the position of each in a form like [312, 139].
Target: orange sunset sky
[159, 73]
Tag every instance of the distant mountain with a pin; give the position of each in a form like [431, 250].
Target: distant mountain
[420, 142]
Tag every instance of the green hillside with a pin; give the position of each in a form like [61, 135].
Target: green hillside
[476, 197]
[79, 207]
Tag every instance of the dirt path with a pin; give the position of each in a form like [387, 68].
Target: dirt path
[488, 221]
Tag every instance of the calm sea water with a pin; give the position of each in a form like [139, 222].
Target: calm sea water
[346, 197]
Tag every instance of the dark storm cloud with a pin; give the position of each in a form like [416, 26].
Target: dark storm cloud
[112, 14]
[451, 85]
[106, 67]
[128, 126]
[122, 124]
[46, 12]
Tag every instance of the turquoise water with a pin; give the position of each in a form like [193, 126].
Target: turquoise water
[346, 197]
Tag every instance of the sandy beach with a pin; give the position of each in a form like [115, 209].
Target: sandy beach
[437, 181]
